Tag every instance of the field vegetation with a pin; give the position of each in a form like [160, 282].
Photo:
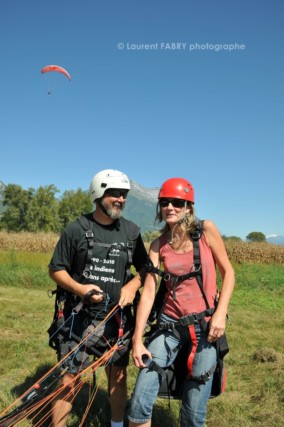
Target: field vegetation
[238, 251]
[255, 363]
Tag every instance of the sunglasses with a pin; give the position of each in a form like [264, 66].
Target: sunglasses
[116, 192]
[176, 203]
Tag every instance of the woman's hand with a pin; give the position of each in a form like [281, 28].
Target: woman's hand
[216, 327]
[139, 350]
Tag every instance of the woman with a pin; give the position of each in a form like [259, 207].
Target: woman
[185, 295]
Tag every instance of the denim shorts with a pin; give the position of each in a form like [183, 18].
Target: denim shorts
[163, 348]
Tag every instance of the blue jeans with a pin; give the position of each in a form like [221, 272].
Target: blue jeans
[194, 396]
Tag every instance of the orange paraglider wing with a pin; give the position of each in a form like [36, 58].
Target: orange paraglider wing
[55, 68]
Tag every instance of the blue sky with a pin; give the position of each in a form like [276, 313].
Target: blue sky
[159, 89]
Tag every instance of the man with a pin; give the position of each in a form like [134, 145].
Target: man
[100, 280]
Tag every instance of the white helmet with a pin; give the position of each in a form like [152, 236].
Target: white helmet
[109, 178]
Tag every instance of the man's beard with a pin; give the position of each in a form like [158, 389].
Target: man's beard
[114, 211]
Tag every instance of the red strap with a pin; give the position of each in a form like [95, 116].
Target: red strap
[120, 325]
[224, 380]
[193, 338]
[117, 317]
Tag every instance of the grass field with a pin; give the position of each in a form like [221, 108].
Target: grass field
[255, 389]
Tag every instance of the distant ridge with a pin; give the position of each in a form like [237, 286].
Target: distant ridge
[141, 206]
[138, 190]
[275, 239]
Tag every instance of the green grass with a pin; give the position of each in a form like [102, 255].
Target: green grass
[27, 270]
[254, 395]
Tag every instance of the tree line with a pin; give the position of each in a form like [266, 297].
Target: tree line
[36, 210]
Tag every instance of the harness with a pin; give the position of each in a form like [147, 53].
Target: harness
[174, 376]
[195, 272]
[132, 232]
[67, 304]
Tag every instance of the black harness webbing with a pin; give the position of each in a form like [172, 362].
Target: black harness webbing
[86, 222]
[153, 366]
[196, 270]
[187, 320]
[172, 277]
[68, 300]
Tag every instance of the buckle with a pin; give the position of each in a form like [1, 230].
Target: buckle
[122, 341]
[188, 320]
[149, 266]
[196, 268]
[205, 377]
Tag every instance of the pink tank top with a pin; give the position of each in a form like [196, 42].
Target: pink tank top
[189, 298]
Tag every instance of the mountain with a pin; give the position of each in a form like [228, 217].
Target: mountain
[141, 206]
[275, 239]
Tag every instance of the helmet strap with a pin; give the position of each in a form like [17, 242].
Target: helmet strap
[99, 203]
[101, 206]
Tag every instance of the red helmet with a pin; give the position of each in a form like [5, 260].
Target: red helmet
[177, 188]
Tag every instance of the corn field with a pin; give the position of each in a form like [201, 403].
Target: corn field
[262, 253]
[239, 252]
[28, 242]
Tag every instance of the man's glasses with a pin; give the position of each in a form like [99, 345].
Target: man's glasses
[116, 192]
[176, 203]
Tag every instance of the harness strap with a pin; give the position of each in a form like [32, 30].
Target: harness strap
[190, 359]
[203, 378]
[87, 224]
[187, 320]
[132, 233]
[153, 366]
[196, 235]
[90, 240]
[196, 270]
[129, 250]
[120, 324]
[169, 276]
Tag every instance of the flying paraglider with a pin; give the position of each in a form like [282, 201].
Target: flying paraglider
[55, 68]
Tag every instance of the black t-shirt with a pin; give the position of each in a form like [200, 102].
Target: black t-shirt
[108, 263]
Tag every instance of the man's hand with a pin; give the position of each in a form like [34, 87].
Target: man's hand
[127, 295]
[98, 293]
[63, 279]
